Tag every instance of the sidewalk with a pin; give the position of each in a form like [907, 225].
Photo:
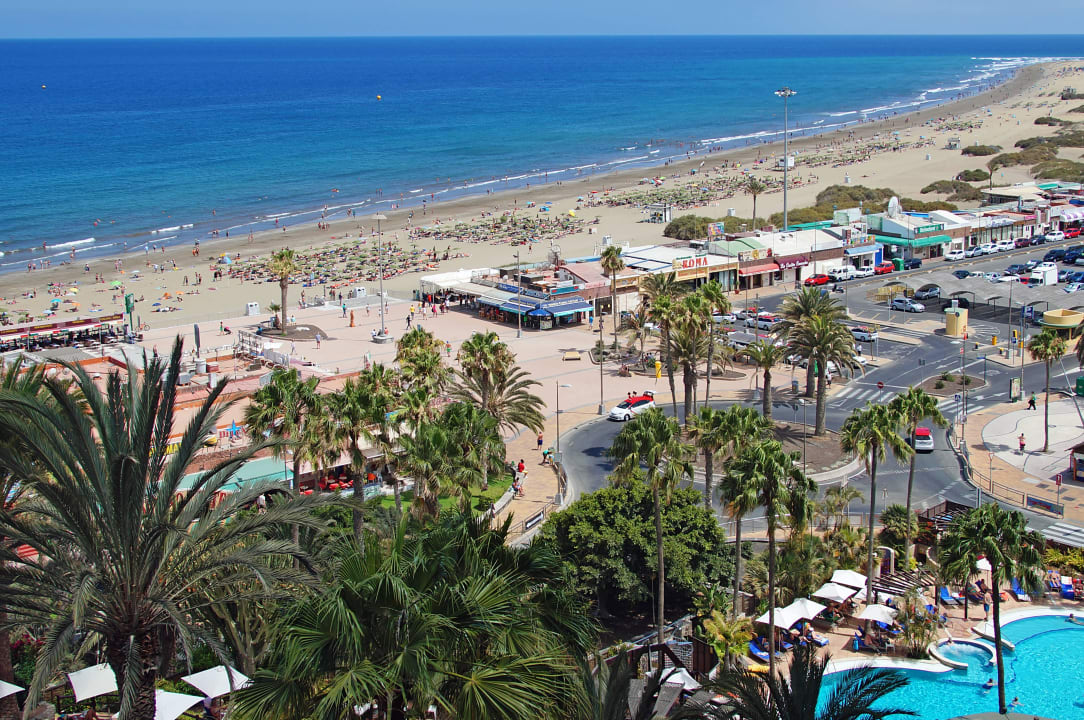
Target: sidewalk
[1027, 479]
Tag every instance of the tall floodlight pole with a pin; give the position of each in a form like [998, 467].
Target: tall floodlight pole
[785, 93]
[519, 301]
[380, 272]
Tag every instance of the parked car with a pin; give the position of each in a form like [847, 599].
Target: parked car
[928, 293]
[1054, 255]
[839, 274]
[907, 305]
[864, 334]
[633, 405]
[912, 263]
[762, 321]
[832, 369]
[1076, 276]
[865, 271]
[1023, 242]
[1074, 287]
[1072, 233]
[1064, 275]
[747, 312]
[923, 440]
[818, 279]
[961, 274]
[1006, 245]
[973, 252]
[883, 268]
[954, 255]
[1070, 258]
[1054, 236]
[729, 318]
[990, 249]
[1016, 268]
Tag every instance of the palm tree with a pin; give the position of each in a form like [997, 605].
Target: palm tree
[128, 545]
[856, 693]
[663, 312]
[1047, 346]
[1003, 539]
[780, 487]
[374, 419]
[798, 307]
[744, 426]
[822, 340]
[444, 615]
[836, 501]
[728, 638]
[717, 303]
[611, 265]
[709, 434]
[872, 433]
[283, 264]
[505, 396]
[429, 459]
[689, 345]
[478, 438]
[649, 449]
[279, 409]
[915, 406]
[765, 354]
[754, 187]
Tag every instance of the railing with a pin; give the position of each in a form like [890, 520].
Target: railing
[985, 483]
[753, 528]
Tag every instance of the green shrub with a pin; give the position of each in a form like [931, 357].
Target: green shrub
[1047, 120]
[912, 205]
[939, 385]
[695, 227]
[1058, 169]
[1030, 156]
[955, 189]
[948, 377]
[1078, 109]
[973, 175]
[967, 379]
[981, 150]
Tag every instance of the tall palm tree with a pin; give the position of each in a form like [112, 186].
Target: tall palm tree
[282, 266]
[856, 693]
[649, 449]
[689, 338]
[777, 482]
[429, 459]
[765, 354]
[798, 307]
[709, 434]
[279, 409]
[872, 433]
[445, 615]
[128, 546]
[1047, 346]
[754, 187]
[915, 406]
[745, 426]
[1002, 537]
[505, 396]
[663, 312]
[717, 303]
[822, 340]
[479, 442]
[611, 265]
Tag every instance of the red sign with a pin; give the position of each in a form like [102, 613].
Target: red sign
[691, 262]
[788, 262]
[880, 385]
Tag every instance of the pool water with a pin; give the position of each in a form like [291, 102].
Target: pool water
[1045, 672]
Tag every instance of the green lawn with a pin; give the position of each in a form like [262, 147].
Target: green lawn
[497, 486]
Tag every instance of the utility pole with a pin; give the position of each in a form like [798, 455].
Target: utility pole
[519, 302]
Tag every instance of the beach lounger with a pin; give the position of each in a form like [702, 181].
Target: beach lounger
[946, 598]
[859, 645]
[886, 628]
[1019, 591]
[757, 652]
[762, 645]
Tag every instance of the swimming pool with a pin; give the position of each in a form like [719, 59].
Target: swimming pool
[1044, 672]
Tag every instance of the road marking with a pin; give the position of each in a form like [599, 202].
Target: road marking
[1064, 533]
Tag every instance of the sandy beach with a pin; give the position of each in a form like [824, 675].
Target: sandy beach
[999, 116]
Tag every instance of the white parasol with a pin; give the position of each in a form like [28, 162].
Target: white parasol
[832, 591]
[850, 578]
[92, 682]
[878, 613]
[216, 681]
[8, 689]
[171, 705]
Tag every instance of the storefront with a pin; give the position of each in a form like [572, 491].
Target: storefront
[791, 268]
[756, 273]
[556, 313]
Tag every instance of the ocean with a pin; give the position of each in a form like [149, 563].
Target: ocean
[108, 145]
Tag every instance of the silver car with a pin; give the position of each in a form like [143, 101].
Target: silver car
[907, 305]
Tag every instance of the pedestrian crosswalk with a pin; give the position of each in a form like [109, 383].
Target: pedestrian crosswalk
[1064, 533]
[861, 394]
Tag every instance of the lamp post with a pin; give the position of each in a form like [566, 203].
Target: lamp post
[785, 93]
[601, 358]
[380, 271]
[519, 303]
[557, 443]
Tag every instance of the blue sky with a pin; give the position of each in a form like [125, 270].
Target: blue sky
[239, 18]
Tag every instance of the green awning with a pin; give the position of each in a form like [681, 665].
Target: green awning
[921, 242]
[252, 472]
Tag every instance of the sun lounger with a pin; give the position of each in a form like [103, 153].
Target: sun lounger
[886, 628]
[946, 598]
[757, 652]
[762, 645]
[859, 645]
[1019, 591]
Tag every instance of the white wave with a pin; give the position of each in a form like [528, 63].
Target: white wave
[415, 191]
[175, 228]
[74, 243]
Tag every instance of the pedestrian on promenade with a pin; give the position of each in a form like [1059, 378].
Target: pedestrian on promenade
[1022, 443]
[1031, 402]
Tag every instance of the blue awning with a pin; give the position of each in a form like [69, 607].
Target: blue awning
[861, 250]
[567, 306]
[519, 306]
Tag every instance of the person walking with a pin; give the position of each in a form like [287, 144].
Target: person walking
[540, 441]
[1022, 443]
[1031, 402]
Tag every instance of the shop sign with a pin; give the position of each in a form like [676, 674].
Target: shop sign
[716, 229]
[793, 261]
[688, 263]
[528, 293]
[937, 227]
[757, 254]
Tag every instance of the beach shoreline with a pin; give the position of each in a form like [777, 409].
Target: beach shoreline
[624, 226]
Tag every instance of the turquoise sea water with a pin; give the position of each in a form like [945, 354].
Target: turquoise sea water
[109, 144]
[1044, 672]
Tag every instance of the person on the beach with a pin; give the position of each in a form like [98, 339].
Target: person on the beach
[1022, 443]
[540, 441]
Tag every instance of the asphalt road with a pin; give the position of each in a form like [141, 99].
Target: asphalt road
[937, 476]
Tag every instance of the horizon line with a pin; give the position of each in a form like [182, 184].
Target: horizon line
[538, 35]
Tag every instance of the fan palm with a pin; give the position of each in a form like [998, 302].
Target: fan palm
[744, 427]
[1003, 539]
[709, 434]
[127, 545]
[1047, 347]
[649, 449]
[376, 418]
[765, 354]
[429, 459]
[797, 695]
[611, 265]
[779, 486]
[717, 303]
[822, 340]
[754, 187]
[872, 433]
[803, 304]
[915, 406]
[282, 265]
[279, 410]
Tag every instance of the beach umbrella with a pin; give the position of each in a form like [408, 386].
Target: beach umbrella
[8, 689]
[850, 578]
[878, 613]
[806, 608]
[983, 565]
[683, 678]
[171, 705]
[155, 304]
[92, 681]
[115, 283]
[833, 592]
[784, 618]
[216, 681]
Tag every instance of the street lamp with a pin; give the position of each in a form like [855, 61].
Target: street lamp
[380, 271]
[519, 303]
[785, 93]
[557, 444]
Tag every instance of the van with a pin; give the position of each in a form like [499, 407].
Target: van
[840, 274]
[1043, 275]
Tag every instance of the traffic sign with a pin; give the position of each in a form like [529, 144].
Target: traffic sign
[958, 397]
[880, 385]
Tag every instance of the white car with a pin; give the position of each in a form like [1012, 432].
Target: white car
[864, 272]
[1074, 287]
[976, 251]
[632, 405]
[1006, 245]
[1055, 236]
[954, 255]
[729, 317]
[990, 249]
[864, 334]
[923, 440]
[832, 369]
[907, 305]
